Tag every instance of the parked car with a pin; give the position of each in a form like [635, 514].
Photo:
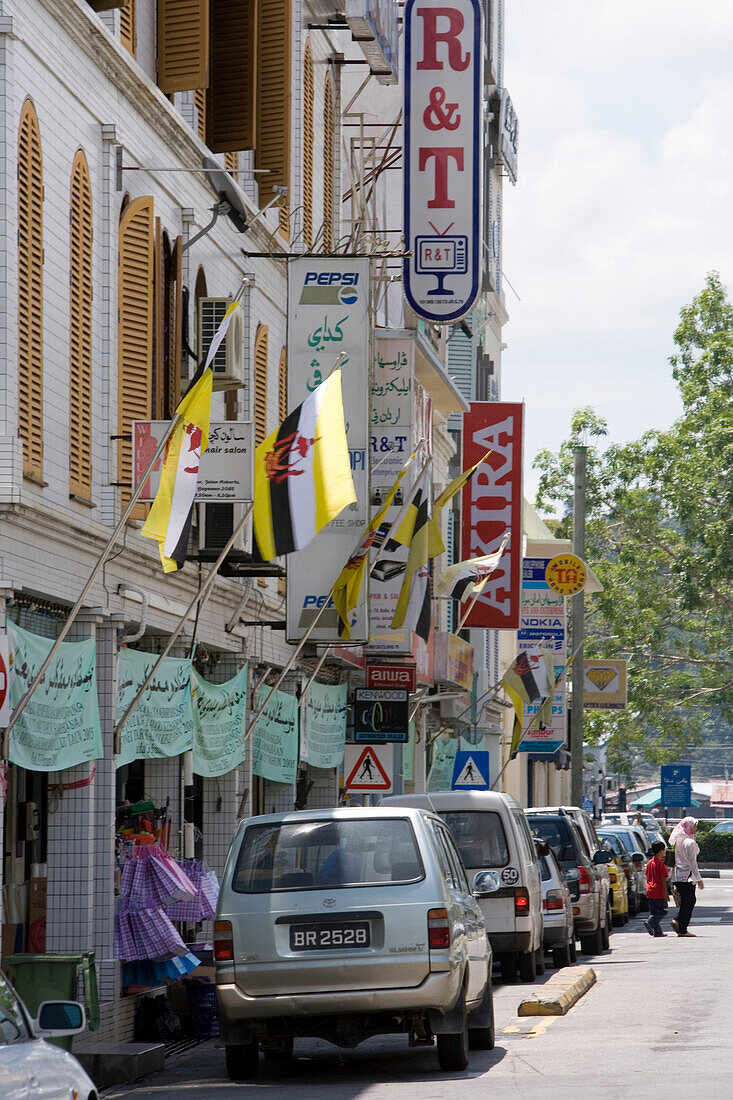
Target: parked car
[725, 826]
[639, 845]
[342, 924]
[29, 1066]
[651, 824]
[635, 877]
[618, 886]
[590, 897]
[557, 908]
[492, 834]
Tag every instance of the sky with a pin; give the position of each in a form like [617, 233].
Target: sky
[624, 202]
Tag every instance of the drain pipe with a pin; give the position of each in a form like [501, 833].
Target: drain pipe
[123, 590]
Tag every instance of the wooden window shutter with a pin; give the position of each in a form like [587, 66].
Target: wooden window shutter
[231, 101]
[328, 165]
[231, 162]
[199, 102]
[174, 326]
[260, 384]
[160, 241]
[128, 28]
[183, 45]
[80, 331]
[135, 332]
[282, 385]
[272, 152]
[308, 141]
[30, 292]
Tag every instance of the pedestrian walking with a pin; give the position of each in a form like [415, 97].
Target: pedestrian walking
[656, 889]
[685, 876]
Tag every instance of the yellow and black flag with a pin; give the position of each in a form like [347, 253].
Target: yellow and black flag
[413, 603]
[302, 473]
[530, 678]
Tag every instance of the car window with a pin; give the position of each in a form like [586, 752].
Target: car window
[545, 872]
[12, 1024]
[525, 837]
[613, 841]
[480, 837]
[314, 855]
[557, 832]
[441, 850]
[459, 875]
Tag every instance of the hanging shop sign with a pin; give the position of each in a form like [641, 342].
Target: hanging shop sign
[4, 681]
[492, 505]
[566, 574]
[162, 722]
[381, 714]
[226, 464]
[392, 676]
[453, 660]
[60, 726]
[542, 626]
[328, 315]
[219, 724]
[443, 156]
[323, 732]
[275, 737]
[604, 684]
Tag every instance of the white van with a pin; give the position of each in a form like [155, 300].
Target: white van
[492, 834]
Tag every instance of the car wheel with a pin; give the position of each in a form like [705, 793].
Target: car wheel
[633, 906]
[482, 1038]
[453, 1049]
[592, 944]
[561, 956]
[573, 951]
[618, 920]
[540, 959]
[606, 933]
[508, 965]
[527, 966]
[243, 1061]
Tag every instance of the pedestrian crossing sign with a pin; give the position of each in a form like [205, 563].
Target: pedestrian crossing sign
[368, 768]
[471, 770]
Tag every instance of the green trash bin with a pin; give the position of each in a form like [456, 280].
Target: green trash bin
[55, 977]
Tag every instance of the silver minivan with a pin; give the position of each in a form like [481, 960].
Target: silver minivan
[492, 833]
[346, 923]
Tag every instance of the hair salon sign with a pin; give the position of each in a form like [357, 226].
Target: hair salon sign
[443, 128]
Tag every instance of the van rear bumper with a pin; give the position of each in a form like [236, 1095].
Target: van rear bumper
[510, 941]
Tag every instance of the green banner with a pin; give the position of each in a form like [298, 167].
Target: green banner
[275, 737]
[60, 726]
[324, 726]
[162, 722]
[441, 771]
[219, 724]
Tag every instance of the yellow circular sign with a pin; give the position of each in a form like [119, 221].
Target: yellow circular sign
[566, 574]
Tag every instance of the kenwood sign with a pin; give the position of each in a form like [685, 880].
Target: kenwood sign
[443, 151]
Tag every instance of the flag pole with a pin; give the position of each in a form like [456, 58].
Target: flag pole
[469, 609]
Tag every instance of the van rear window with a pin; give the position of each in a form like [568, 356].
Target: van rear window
[480, 837]
[320, 855]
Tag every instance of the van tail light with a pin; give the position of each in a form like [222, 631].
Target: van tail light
[554, 900]
[223, 942]
[521, 902]
[438, 929]
[583, 879]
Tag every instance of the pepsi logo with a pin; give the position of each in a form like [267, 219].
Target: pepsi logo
[348, 296]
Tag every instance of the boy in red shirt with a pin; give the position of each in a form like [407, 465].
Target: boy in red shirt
[656, 889]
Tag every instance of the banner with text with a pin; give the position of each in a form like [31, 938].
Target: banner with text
[162, 722]
[219, 724]
[275, 737]
[323, 733]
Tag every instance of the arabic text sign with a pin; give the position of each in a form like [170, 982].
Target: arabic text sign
[492, 505]
[219, 724]
[162, 722]
[676, 785]
[324, 726]
[443, 156]
[328, 314]
[60, 726]
[604, 684]
[275, 737]
[226, 465]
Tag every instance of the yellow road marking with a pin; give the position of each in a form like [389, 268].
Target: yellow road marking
[541, 1028]
[509, 1030]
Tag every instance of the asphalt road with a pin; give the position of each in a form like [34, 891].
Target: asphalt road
[657, 1024]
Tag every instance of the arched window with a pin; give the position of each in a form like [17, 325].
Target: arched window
[308, 141]
[260, 385]
[30, 292]
[135, 332]
[328, 165]
[80, 331]
[282, 385]
[128, 28]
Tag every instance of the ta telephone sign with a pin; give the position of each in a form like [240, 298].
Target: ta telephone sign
[676, 785]
[381, 714]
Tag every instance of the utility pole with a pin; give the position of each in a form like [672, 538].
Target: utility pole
[576, 712]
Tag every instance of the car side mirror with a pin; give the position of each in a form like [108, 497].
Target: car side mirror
[56, 1018]
[601, 857]
[486, 883]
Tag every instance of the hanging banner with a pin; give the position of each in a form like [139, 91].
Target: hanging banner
[443, 156]
[275, 737]
[440, 777]
[328, 315]
[219, 724]
[323, 732]
[60, 726]
[492, 505]
[162, 722]
[4, 681]
[542, 625]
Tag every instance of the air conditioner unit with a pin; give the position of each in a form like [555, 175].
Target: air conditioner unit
[228, 362]
[216, 521]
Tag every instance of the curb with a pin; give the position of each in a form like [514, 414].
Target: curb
[716, 872]
[557, 996]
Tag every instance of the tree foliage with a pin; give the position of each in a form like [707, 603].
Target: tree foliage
[659, 535]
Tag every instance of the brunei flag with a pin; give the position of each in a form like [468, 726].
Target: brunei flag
[169, 519]
[302, 473]
[413, 603]
[529, 679]
[466, 578]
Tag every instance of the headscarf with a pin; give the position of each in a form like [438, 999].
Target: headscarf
[683, 829]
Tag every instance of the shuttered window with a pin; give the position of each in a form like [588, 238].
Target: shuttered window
[80, 331]
[183, 45]
[308, 141]
[128, 28]
[167, 306]
[30, 292]
[135, 332]
[231, 163]
[282, 385]
[272, 155]
[231, 100]
[199, 102]
[260, 384]
[328, 165]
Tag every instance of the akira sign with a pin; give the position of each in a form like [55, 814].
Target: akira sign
[443, 151]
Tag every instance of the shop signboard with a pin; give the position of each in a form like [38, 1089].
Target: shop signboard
[604, 684]
[226, 464]
[676, 785]
[219, 724]
[381, 714]
[453, 660]
[323, 729]
[328, 316]
[492, 505]
[393, 675]
[542, 625]
[443, 156]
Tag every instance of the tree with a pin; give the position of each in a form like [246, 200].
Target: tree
[659, 535]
